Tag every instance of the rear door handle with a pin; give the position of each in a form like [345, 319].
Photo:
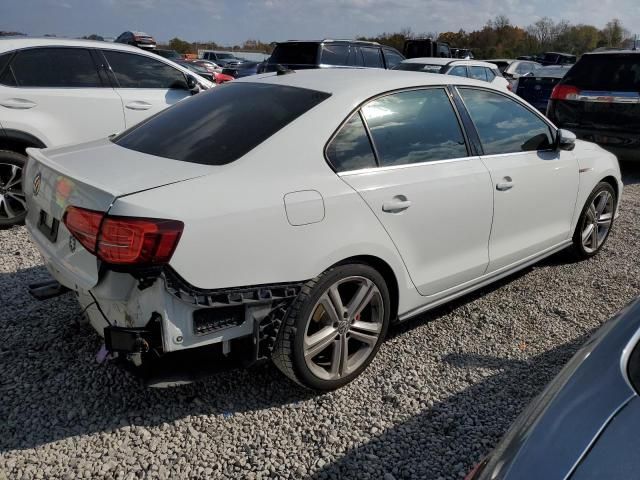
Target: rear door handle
[505, 184]
[396, 204]
[17, 103]
[138, 105]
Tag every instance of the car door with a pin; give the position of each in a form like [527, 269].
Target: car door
[146, 85]
[535, 185]
[431, 195]
[59, 95]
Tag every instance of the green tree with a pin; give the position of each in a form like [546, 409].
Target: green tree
[181, 46]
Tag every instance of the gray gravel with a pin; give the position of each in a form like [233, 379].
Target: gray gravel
[440, 394]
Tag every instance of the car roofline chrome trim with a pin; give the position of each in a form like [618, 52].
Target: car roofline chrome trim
[360, 171]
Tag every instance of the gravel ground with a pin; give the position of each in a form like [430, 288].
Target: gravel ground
[440, 394]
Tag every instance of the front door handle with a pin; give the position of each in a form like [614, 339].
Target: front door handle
[505, 184]
[138, 105]
[17, 103]
[397, 204]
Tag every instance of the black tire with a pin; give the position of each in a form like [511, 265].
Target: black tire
[578, 248]
[288, 354]
[8, 159]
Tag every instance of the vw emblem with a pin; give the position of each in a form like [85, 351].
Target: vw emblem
[72, 243]
[37, 180]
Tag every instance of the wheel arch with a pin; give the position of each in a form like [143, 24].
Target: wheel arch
[611, 180]
[18, 141]
[387, 273]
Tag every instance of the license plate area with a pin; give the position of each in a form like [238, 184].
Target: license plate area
[48, 226]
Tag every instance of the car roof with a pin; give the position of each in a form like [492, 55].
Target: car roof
[448, 61]
[507, 60]
[361, 83]
[613, 52]
[14, 43]
[337, 40]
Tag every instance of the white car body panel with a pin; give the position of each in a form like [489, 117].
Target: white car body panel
[63, 116]
[280, 213]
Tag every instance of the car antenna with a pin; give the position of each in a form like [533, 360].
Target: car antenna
[282, 70]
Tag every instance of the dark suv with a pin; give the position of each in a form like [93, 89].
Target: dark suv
[296, 54]
[599, 100]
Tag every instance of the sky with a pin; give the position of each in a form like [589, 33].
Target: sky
[229, 22]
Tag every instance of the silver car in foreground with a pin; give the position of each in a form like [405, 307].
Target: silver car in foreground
[586, 423]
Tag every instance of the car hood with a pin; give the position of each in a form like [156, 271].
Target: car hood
[556, 430]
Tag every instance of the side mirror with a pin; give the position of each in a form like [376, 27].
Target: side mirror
[192, 84]
[566, 140]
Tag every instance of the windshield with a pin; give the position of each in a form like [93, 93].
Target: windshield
[224, 56]
[418, 67]
[295, 53]
[221, 125]
[610, 72]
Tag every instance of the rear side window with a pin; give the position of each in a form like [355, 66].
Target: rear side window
[6, 75]
[459, 71]
[413, 127]
[351, 149]
[221, 125]
[295, 53]
[335, 54]
[505, 126]
[372, 57]
[490, 74]
[139, 71]
[609, 72]
[392, 57]
[55, 67]
[479, 73]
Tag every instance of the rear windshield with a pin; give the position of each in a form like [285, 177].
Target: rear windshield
[221, 125]
[418, 67]
[611, 72]
[298, 53]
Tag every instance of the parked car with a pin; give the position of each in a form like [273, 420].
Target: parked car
[327, 53]
[463, 53]
[201, 71]
[512, 70]
[348, 171]
[599, 100]
[222, 77]
[239, 70]
[557, 58]
[586, 423]
[137, 39]
[425, 47]
[208, 65]
[536, 88]
[220, 58]
[55, 92]
[170, 54]
[487, 72]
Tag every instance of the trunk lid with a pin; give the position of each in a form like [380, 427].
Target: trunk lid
[91, 176]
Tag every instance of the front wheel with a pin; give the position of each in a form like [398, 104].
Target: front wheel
[595, 222]
[13, 208]
[334, 328]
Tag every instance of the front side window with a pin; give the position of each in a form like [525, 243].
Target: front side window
[392, 57]
[413, 127]
[221, 125]
[54, 67]
[351, 149]
[335, 54]
[140, 71]
[372, 57]
[505, 126]
[459, 71]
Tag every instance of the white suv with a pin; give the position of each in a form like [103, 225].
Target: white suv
[476, 69]
[55, 92]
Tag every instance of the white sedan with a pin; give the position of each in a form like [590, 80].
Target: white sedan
[294, 216]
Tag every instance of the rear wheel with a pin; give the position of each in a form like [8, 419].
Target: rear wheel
[334, 328]
[13, 208]
[595, 222]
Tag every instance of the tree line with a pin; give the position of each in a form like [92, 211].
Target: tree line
[500, 38]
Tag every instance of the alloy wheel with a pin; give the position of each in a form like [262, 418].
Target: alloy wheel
[12, 200]
[597, 221]
[343, 328]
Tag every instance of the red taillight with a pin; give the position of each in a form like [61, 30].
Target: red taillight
[124, 240]
[84, 225]
[565, 92]
[510, 87]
